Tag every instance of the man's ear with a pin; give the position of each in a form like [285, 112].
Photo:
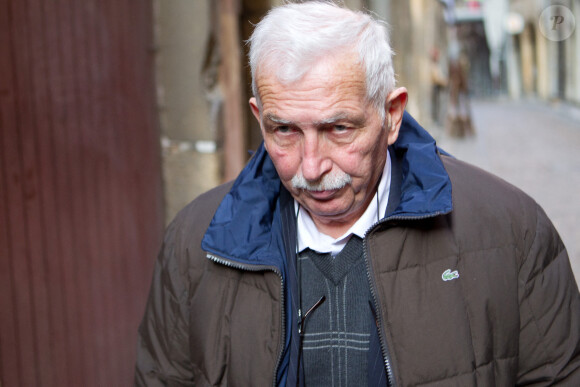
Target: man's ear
[395, 107]
[256, 112]
[255, 109]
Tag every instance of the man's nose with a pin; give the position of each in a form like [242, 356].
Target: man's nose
[315, 160]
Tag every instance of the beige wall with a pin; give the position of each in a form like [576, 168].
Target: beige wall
[538, 68]
[188, 100]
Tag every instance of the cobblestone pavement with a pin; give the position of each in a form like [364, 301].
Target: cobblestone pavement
[535, 146]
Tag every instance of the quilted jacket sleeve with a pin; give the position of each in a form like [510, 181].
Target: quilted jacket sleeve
[549, 349]
[163, 357]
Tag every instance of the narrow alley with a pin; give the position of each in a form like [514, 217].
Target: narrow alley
[535, 146]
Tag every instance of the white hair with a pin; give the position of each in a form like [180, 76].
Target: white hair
[293, 37]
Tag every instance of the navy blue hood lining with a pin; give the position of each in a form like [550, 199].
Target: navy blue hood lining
[246, 225]
[425, 188]
[242, 227]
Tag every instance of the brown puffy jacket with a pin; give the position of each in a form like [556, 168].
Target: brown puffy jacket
[511, 317]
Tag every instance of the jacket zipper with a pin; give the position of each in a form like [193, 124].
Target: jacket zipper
[256, 268]
[382, 340]
[384, 349]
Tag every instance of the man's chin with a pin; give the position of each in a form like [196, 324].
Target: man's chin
[325, 209]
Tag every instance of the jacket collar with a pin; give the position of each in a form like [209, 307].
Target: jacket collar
[421, 187]
[246, 227]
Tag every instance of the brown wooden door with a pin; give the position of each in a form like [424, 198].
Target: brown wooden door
[80, 189]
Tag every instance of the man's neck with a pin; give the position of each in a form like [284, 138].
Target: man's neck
[337, 228]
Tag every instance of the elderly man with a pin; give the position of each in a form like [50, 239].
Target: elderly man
[350, 251]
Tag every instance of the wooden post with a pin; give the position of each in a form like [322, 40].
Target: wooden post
[231, 85]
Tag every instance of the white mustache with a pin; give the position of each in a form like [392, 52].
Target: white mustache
[329, 182]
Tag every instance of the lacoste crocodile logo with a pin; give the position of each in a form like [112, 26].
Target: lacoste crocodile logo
[449, 275]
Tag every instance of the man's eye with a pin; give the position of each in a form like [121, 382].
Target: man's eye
[339, 128]
[284, 129]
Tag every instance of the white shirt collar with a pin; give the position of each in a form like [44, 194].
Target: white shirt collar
[310, 237]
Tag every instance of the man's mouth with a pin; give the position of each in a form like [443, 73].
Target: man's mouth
[322, 195]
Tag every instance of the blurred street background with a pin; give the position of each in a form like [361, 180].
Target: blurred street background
[114, 114]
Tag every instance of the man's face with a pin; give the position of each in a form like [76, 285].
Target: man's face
[327, 142]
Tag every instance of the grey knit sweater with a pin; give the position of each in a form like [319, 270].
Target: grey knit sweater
[336, 334]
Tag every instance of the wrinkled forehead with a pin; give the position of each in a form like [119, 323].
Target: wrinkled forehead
[333, 72]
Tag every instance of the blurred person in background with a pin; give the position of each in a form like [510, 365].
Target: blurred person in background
[351, 251]
[438, 85]
[458, 109]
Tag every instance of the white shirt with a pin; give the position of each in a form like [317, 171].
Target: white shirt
[310, 237]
